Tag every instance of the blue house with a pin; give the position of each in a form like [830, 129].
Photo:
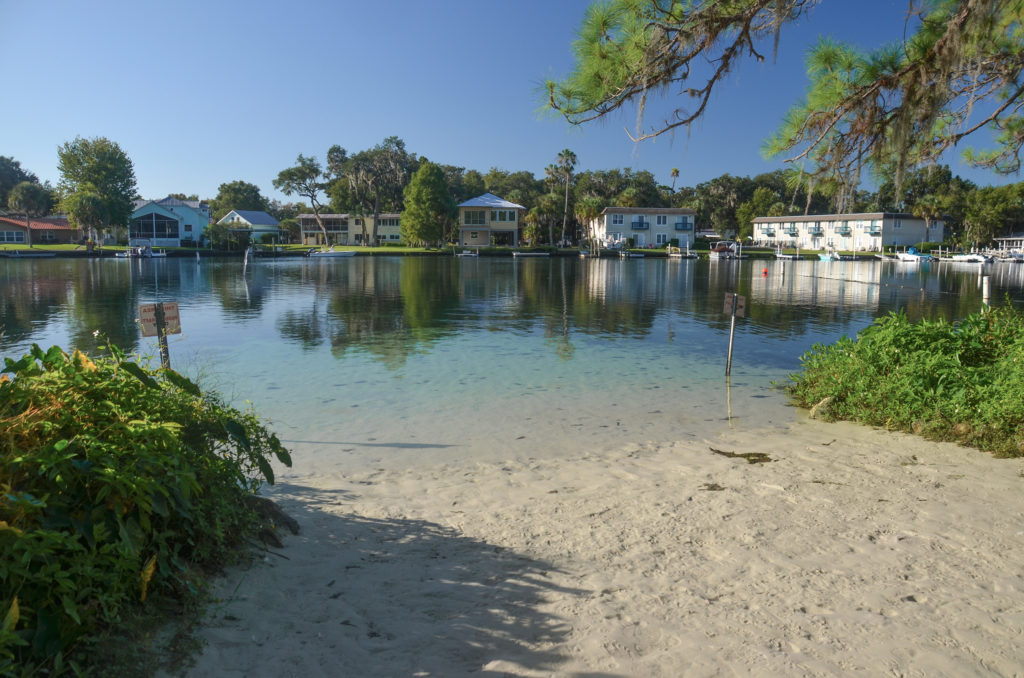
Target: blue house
[169, 222]
[259, 226]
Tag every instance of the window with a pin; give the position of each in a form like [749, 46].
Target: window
[617, 219]
[662, 220]
[473, 235]
[188, 228]
[153, 226]
[897, 223]
[662, 237]
[503, 215]
[474, 217]
[12, 236]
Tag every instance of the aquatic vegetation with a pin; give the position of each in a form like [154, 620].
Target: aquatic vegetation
[961, 382]
[118, 483]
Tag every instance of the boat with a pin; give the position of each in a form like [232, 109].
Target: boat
[140, 252]
[531, 254]
[911, 254]
[725, 249]
[970, 258]
[830, 254]
[626, 254]
[468, 253]
[19, 254]
[678, 253]
[331, 252]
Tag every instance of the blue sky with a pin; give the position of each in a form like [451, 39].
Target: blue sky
[202, 93]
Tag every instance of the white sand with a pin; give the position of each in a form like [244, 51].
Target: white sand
[854, 552]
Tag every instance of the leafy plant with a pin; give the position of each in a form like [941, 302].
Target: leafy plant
[116, 482]
[960, 382]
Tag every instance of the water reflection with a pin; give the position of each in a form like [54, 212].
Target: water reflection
[391, 308]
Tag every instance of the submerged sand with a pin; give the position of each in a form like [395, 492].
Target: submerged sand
[853, 551]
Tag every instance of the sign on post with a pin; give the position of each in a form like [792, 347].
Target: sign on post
[158, 320]
[147, 318]
[735, 305]
[741, 304]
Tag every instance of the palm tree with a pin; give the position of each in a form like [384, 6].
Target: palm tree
[32, 200]
[587, 211]
[566, 163]
[928, 208]
[675, 175]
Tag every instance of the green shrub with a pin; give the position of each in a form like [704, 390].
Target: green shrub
[960, 382]
[116, 481]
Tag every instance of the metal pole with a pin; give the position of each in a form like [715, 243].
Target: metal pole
[732, 332]
[161, 334]
[984, 290]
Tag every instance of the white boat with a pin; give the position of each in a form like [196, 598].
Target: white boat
[678, 253]
[140, 252]
[531, 254]
[912, 255]
[331, 252]
[971, 258]
[725, 249]
[467, 253]
[626, 254]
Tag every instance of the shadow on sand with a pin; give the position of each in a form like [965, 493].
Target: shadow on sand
[359, 596]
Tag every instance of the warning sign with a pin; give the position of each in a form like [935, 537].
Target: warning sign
[741, 304]
[147, 318]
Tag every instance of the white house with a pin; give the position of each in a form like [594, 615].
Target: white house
[259, 225]
[489, 220]
[347, 229]
[647, 226]
[870, 232]
[169, 222]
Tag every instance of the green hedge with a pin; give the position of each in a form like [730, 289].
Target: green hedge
[961, 382]
[116, 482]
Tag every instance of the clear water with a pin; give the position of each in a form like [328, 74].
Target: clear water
[389, 360]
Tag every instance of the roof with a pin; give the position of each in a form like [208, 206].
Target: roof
[382, 215]
[173, 202]
[648, 210]
[42, 223]
[825, 217]
[254, 217]
[491, 200]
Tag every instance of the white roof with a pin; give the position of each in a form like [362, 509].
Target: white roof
[491, 200]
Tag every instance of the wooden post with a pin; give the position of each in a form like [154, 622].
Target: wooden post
[732, 333]
[161, 335]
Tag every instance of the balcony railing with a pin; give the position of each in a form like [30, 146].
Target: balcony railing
[640, 225]
[770, 234]
[816, 230]
[792, 231]
[684, 226]
[844, 231]
[875, 231]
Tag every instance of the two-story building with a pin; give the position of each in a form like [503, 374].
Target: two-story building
[647, 226]
[866, 232]
[489, 220]
[347, 229]
[169, 222]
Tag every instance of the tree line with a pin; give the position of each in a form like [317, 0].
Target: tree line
[97, 189]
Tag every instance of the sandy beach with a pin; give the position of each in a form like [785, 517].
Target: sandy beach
[849, 551]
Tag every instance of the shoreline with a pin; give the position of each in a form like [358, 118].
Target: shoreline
[853, 549]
